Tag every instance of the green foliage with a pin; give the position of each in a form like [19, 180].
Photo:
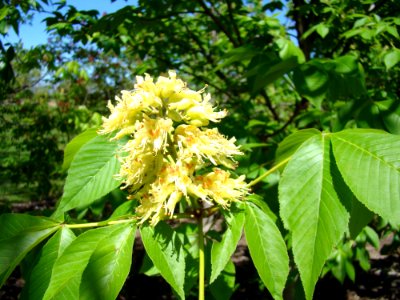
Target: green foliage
[89, 175]
[83, 254]
[368, 158]
[19, 234]
[267, 249]
[55, 246]
[165, 250]
[223, 250]
[296, 104]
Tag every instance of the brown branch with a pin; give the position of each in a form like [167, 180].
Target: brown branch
[269, 105]
[203, 51]
[234, 25]
[302, 26]
[218, 23]
[299, 106]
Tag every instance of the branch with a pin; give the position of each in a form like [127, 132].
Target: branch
[235, 27]
[299, 106]
[269, 105]
[301, 26]
[218, 23]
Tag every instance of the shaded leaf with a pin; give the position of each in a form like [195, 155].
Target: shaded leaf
[223, 287]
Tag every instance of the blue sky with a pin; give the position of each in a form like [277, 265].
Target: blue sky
[35, 33]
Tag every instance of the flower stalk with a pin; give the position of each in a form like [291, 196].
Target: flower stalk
[201, 257]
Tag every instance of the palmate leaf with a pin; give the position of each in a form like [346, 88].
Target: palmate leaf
[90, 175]
[311, 209]
[68, 269]
[221, 252]
[267, 249]
[369, 162]
[164, 248]
[18, 235]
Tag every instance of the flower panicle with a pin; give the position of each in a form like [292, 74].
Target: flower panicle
[169, 147]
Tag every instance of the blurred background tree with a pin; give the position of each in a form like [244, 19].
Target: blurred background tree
[277, 66]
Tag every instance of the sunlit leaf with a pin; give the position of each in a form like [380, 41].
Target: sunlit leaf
[41, 273]
[267, 249]
[311, 209]
[369, 162]
[18, 235]
[75, 144]
[165, 250]
[109, 265]
[91, 174]
[221, 252]
[67, 271]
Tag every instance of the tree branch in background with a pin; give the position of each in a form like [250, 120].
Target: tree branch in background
[218, 23]
[302, 26]
[233, 22]
[269, 105]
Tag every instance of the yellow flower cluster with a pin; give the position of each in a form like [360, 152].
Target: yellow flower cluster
[169, 147]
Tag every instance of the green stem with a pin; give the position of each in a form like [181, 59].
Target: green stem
[201, 257]
[269, 172]
[98, 224]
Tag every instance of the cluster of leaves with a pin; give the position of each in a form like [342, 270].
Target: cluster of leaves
[342, 72]
[322, 193]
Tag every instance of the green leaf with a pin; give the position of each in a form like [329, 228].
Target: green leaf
[75, 144]
[360, 216]
[18, 235]
[109, 265]
[259, 201]
[392, 58]
[91, 174]
[238, 54]
[267, 249]
[312, 82]
[372, 236]
[165, 250]
[311, 209]
[223, 287]
[69, 267]
[126, 208]
[266, 74]
[40, 276]
[221, 252]
[369, 162]
[291, 143]
[330, 79]
[288, 50]
[322, 30]
[188, 234]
